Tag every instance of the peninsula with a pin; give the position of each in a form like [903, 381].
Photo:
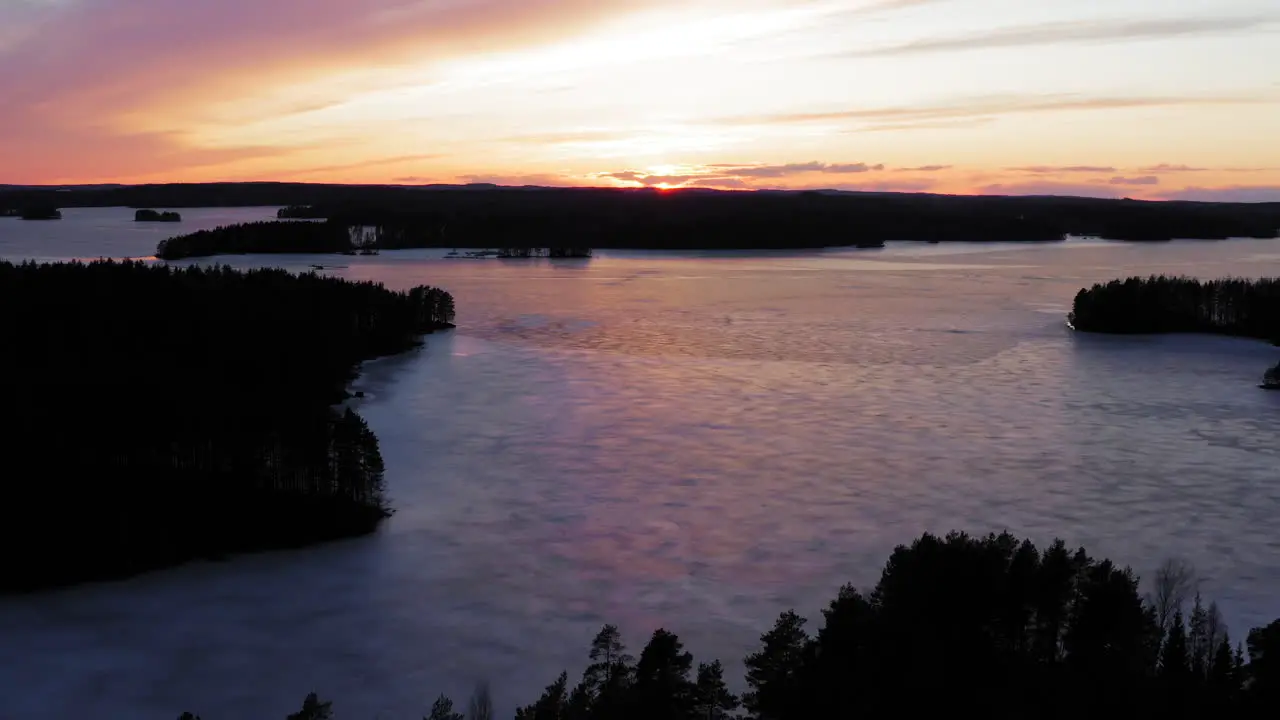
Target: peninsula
[174, 414]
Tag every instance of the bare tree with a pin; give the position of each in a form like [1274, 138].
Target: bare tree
[481, 705]
[1175, 582]
[1215, 627]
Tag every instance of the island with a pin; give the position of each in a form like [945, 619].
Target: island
[40, 213]
[155, 216]
[1160, 304]
[985, 626]
[172, 414]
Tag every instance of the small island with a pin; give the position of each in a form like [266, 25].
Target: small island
[1160, 304]
[155, 216]
[172, 414]
[40, 213]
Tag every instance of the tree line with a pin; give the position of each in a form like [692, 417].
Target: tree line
[991, 627]
[1161, 304]
[266, 237]
[489, 215]
[164, 414]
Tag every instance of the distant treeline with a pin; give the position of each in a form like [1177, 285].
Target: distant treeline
[491, 216]
[165, 414]
[965, 627]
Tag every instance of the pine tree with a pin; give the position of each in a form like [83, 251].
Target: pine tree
[442, 709]
[713, 699]
[609, 675]
[553, 705]
[773, 672]
[313, 709]
[662, 688]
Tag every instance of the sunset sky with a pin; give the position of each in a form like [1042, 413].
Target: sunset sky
[1136, 98]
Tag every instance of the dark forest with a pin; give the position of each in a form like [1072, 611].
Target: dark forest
[492, 216]
[167, 414]
[990, 627]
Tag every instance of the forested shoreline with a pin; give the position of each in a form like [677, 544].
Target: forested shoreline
[326, 237]
[265, 237]
[989, 627]
[168, 414]
[478, 216]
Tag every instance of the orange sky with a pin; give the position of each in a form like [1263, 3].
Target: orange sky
[1137, 98]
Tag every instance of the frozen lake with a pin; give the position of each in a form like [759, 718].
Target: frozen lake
[697, 441]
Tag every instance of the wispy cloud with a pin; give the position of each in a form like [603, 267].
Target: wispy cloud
[1144, 180]
[731, 175]
[540, 179]
[378, 162]
[1163, 168]
[923, 169]
[1041, 187]
[878, 7]
[1234, 193]
[1090, 31]
[984, 107]
[1059, 169]
[775, 171]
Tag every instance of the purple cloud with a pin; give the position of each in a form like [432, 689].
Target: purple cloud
[1166, 168]
[1049, 188]
[776, 171]
[1057, 169]
[1145, 180]
[1237, 193]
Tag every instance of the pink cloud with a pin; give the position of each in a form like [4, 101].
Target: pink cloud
[1144, 180]
[1049, 188]
[539, 179]
[85, 63]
